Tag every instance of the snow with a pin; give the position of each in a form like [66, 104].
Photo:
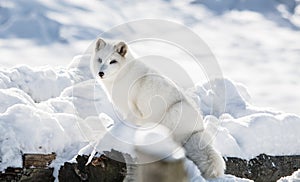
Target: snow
[30, 80]
[243, 130]
[260, 38]
[292, 178]
[260, 133]
[51, 105]
[80, 119]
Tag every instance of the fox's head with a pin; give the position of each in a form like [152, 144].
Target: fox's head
[108, 58]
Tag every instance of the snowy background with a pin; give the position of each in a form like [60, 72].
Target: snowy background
[260, 38]
[42, 91]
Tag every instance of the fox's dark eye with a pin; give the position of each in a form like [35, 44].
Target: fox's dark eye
[113, 62]
[99, 60]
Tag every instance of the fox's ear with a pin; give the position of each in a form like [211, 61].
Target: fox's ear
[121, 48]
[100, 43]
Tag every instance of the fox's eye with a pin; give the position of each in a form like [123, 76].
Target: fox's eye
[113, 62]
[99, 60]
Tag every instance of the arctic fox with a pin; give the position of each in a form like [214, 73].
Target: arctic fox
[142, 95]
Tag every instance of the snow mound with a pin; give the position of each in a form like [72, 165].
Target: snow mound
[26, 129]
[13, 96]
[36, 83]
[243, 130]
[224, 96]
[259, 133]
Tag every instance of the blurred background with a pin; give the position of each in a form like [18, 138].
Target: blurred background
[256, 42]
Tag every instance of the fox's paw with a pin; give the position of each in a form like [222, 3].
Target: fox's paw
[214, 167]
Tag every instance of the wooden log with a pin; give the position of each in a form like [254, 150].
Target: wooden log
[38, 160]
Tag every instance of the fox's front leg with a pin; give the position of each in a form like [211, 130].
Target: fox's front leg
[200, 150]
[134, 114]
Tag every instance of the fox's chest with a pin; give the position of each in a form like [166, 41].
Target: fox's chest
[139, 89]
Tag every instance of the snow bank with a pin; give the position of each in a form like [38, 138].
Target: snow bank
[25, 129]
[259, 133]
[43, 110]
[35, 83]
[243, 130]
[234, 100]
[61, 110]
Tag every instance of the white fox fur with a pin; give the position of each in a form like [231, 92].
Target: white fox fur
[142, 95]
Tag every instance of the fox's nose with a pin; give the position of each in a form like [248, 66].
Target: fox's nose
[101, 74]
